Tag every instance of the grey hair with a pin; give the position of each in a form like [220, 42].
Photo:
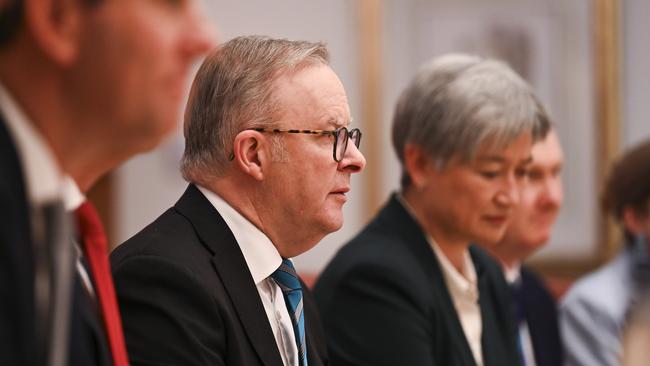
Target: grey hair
[456, 103]
[234, 90]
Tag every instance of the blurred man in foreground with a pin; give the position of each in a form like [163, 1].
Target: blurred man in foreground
[541, 197]
[84, 85]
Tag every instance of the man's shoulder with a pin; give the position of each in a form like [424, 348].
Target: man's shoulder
[170, 236]
[612, 279]
[531, 280]
[536, 295]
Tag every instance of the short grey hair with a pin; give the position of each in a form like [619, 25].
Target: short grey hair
[234, 90]
[458, 102]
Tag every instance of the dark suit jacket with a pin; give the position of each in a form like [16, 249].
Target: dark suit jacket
[384, 301]
[187, 297]
[17, 336]
[18, 345]
[88, 344]
[540, 312]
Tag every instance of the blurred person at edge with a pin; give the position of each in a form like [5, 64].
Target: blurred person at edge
[269, 155]
[541, 197]
[596, 311]
[84, 85]
[406, 290]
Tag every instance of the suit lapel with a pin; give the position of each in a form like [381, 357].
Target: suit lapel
[87, 335]
[315, 338]
[490, 326]
[16, 247]
[395, 215]
[498, 338]
[230, 265]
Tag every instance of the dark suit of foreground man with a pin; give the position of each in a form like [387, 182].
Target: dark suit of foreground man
[269, 162]
[409, 289]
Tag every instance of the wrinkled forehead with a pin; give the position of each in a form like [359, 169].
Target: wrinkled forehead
[315, 95]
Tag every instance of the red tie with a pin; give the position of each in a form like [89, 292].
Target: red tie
[96, 251]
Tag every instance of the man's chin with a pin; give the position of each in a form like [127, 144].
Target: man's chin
[334, 224]
[538, 241]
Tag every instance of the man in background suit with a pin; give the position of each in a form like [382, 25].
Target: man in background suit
[409, 289]
[530, 228]
[84, 85]
[269, 156]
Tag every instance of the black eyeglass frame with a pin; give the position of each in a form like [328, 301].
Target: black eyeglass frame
[348, 135]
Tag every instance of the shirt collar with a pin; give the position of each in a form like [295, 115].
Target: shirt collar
[261, 256]
[72, 196]
[459, 283]
[42, 173]
[512, 273]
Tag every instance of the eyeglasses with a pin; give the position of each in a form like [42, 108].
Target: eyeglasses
[342, 136]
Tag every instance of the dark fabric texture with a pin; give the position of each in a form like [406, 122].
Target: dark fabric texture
[88, 344]
[187, 297]
[540, 312]
[384, 301]
[17, 328]
[17, 311]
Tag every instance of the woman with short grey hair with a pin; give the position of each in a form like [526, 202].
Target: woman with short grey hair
[406, 290]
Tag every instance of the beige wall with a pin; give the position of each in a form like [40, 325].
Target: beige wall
[559, 65]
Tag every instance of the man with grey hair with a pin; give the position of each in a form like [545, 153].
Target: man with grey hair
[269, 158]
[406, 290]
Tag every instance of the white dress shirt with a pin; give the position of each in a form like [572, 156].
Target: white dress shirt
[463, 288]
[72, 200]
[262, 259]
[42, 174]
[464, 293]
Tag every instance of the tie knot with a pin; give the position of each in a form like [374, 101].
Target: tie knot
[90, 225]
[286, 277]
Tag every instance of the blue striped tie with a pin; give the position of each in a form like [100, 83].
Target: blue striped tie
[287, 278]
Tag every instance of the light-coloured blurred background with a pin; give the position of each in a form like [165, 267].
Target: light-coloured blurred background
[568, 49]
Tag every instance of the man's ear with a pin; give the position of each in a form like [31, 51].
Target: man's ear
[417, 163]
[55, 26]
[634, 221]
[250, 153]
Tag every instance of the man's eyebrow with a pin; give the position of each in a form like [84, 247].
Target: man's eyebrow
[336, 123]
[528, 160]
